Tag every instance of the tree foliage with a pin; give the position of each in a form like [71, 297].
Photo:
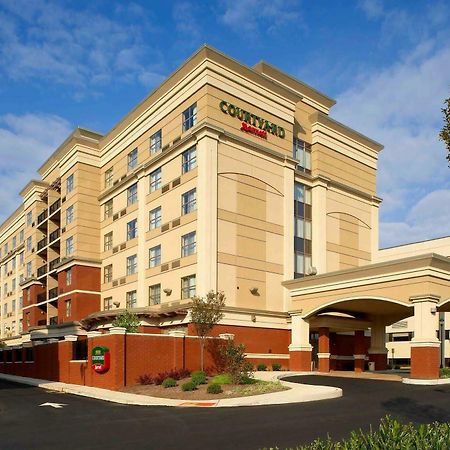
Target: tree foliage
[127, 320]
[444, 134]
[205, 313]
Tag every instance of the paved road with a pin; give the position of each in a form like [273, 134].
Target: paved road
[92, 424]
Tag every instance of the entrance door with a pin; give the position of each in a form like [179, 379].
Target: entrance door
[314, 341]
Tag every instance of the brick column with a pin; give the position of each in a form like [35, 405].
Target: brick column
[359, 351]
[377, 350]
[300, 349]
[324, 349]
[425, 345]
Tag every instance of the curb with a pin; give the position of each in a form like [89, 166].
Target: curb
[420, 382]
[298, 393]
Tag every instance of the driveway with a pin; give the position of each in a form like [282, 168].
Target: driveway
[85, 423]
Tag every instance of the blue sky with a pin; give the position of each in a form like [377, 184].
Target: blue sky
[387, 63]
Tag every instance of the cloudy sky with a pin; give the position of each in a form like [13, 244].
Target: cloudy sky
[387, 63]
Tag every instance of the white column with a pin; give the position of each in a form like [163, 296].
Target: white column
[377, 337]
[374, 236]
[288, 239]
[207, 154]
[319, 226]
[425, 320]
[299, 333]
[142, 251]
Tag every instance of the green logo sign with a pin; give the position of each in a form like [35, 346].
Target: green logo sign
[100, 359]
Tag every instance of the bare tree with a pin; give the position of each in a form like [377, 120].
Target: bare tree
[205, 313]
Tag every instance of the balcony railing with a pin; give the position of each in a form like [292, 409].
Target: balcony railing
[42, 217]
[55, 206]
[41, 297]
[53, 236]
[42, 270]
[41, 244]
[52, 264]
[53, 320]
[53, 293]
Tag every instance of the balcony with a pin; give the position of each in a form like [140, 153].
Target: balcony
[53, 293]
[41, 297]
[42, 271]
[42, 217]
[53, 236]
[53, 320]
[55, 207]
[53, 264]
[41, 244]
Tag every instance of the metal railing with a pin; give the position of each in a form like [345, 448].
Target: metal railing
[41, 297]
[55, 206]
[53, 263]
[42, 270]
[41, 244]
[53, 293]
[53, 236]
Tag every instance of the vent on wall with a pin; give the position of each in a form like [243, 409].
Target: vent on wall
[123, 246]
[175, 222]
[115, 182]
[63, 230]
[164, 227]
[176, 264]
[115, 283]
[115, 216]
[115, 249]
[176, 182]
[165, 148]
[165, 188]
[123, 280]
[164, 267]
[123, 212]
[176, 139]
[63, 199]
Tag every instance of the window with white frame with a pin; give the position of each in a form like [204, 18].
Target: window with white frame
[189, 159]
[13, 262]
[68, 308]
[190, 117]
[28, 269]
[21, 258]
[155, 180]
[108, 273]
[189, 201]
[29, 218]
[29, 244]
[68, 277]
[132, 159]
[22, 236]
[155, 218]
[188, 286]
[155, 142]
[107, 303]
[69, 184]
[109, 178]
[154, 294]
[108, 241]
[155, 256]
[13, 304]
[302, 153]
[14, 242]
[131, 299]
[69, 215]
[108, 209]
[132, 230]
[69, 246]
[188, 244]
[131, 264]
[132, 194]
[13, 284]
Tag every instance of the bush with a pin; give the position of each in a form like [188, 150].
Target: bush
[223, 378]
[198, 377]
[169, 382]
[391, 434]
[214, 388]
[261, 367]
[276, 367]
[444, 372]
[145, 379]
[127, 320]
[189, 386]
[247, 380]
[231, 357]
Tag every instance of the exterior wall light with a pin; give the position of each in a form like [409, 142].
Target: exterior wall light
[167, 291]
[116, 304]
[254, 291]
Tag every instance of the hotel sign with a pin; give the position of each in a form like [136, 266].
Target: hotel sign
[251, 123]
[101, 359]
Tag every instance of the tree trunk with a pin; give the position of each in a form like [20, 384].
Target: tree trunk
[202, 345]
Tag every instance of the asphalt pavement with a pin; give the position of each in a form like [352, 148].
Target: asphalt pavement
[85, 423]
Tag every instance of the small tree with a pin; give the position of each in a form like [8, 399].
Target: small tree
[205, 313]
[127, 320]
[444, 134]
[234, 361]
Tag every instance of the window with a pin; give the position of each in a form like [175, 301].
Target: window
[132, 159]
[155, 142]
[131, 299]
[21, 236]
[68, 308]
[21, 278]
[188, 244]
[20, 325]
[189, 201]
[107, 303]
[69, 246]
[188, 286]
[5, 309]
[5, 269]
[302, 230]
[13, 285]
[68, 277]
[69, 184]
[109, 175]
[21, 302]
[13, 326]
[28, 270]
[132, 231]
[21, 258]
[69, 215]
[29, 244]
[13, 262]
[13, 304]
[132, 196]
[155, 180]
[108, 209]
[189, 159]
[154, 294]
[302, 153]
[108, 241]
[155, 256]
[190, 117]
[6, 248]
[29, 218]
[131, 264]
[5, 289]
[14, 242]
[155, 218]
[108, 273]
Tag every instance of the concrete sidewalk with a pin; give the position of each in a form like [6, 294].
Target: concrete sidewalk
[297, 393]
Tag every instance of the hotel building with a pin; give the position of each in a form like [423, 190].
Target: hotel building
[226, 177]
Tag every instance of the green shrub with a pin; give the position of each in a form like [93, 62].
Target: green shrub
[247, 380]
[445, 372]
[232, 360]
[214, 388]
[127, 320]
[198, 377]
[189, 386]
[261, 367]
[169, 382]
[223, 378]
[391, 434]
[276, 367]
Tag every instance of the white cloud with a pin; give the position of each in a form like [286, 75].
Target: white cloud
[372, 8]
[25, 142]
[45, 40]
